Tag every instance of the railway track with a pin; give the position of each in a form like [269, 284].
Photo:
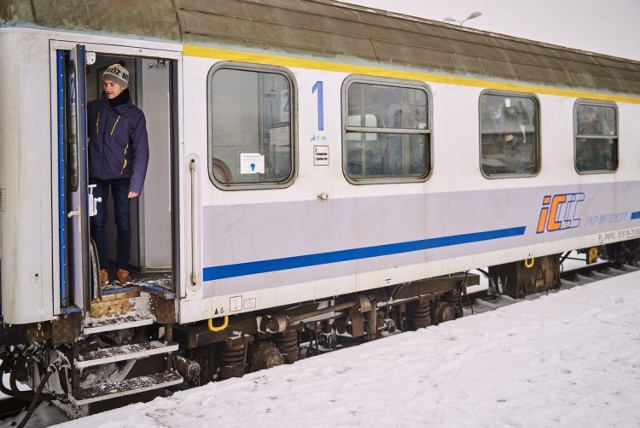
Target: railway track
[489, 299]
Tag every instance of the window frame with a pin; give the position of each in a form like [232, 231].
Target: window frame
[594, 103]
[293, 127]
[346, 129]
[537, 149]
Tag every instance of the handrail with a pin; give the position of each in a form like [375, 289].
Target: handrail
[224, 325]
[192, 171]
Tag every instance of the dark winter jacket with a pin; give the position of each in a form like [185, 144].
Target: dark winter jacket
[118, 142]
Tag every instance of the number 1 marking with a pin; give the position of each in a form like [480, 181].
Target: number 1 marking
[318, 87]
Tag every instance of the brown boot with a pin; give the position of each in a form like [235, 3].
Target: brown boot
[123, 276]
[104, 277]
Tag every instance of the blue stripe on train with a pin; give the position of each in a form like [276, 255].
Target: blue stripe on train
[263, 266]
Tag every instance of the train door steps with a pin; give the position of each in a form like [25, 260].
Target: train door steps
[122, 353]
[100, 325]
[108, 390]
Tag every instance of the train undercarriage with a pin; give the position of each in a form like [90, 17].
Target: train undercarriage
[128, 348]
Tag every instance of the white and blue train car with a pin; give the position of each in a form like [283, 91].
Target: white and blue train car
[318, 170]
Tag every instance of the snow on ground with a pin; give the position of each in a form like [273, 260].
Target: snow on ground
[566, 359]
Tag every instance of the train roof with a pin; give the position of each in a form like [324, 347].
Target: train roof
[335, 31]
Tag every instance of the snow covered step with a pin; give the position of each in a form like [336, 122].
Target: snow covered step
[116, 303]
[122, 353]
[100, 325]
[109, 390]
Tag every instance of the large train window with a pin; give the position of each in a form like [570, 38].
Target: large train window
[596, 137]
[386, 131]
[251, 132]
[509, 135]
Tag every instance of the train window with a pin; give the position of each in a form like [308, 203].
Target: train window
[251, 129]
[596, 137]
[386, 131]
[509, 135]
[72, 158]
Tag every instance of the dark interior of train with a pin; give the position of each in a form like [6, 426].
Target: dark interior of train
[151, 218]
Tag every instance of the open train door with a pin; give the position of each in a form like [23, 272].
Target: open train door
[154, 215]
[75, 268]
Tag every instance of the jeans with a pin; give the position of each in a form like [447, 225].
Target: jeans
[121, 207]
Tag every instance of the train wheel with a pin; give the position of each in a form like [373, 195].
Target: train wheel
[442, 312]
[264, 355]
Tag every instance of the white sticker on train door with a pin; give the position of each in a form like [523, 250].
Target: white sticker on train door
[251, 163]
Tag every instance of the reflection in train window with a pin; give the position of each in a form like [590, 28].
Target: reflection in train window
[250, 126]
[386, 131]
[596, 137]
[509, 135]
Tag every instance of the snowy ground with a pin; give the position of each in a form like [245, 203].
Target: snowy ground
[567, 359]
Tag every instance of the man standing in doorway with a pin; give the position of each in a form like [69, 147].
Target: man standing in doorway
[118, 160]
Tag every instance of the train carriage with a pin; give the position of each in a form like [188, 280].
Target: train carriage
[320, 172]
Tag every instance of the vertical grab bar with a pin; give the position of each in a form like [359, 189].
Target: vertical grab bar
[93, 255]
[192, 172]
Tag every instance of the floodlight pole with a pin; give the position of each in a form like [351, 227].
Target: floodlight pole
[460, 22]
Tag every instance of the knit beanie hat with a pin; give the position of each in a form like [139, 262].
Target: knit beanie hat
[117, 74]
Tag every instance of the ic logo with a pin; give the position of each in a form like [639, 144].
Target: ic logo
[559, 212]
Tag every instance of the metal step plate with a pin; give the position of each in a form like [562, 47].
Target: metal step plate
[100, 325]
[108, 390]
[122, 353]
